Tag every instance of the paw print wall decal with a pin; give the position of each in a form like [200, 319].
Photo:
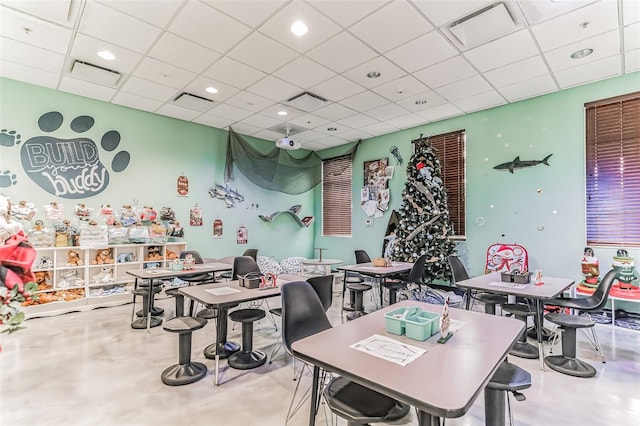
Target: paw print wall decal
[68, 168]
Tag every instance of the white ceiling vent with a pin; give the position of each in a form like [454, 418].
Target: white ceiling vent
[191, 101]
[94, 74]
[306, 102]
[483, 26]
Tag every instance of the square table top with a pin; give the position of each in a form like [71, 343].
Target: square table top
[167, 272]
[380, 271]
[492, 283]
[444, 382]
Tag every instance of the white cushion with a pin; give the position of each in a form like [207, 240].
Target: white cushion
[269, 265]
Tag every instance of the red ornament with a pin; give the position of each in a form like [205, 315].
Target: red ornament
[420, 165]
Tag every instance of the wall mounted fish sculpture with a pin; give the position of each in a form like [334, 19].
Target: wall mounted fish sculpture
[517, 163]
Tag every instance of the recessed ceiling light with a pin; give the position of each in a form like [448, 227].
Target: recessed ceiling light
[283, 113]
[332, 129]
[421, 101]
[105, 54]
[211, 89]
[578, 54]
[373, 74]
[299, 28]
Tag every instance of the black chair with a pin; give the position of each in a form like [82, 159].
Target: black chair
[303, 315]
[356, 286]
[508, 378]
[243, 265]
[251, 253]
[567, 363]
[459, 273]
[198, 279]
[414, 277]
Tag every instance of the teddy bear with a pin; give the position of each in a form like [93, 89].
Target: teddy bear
[153, 253]
[103, 257]
[73, 258]
[8, 225]
[171, 255]
[43, 280]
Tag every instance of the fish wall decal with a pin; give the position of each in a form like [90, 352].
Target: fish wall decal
[517, 163]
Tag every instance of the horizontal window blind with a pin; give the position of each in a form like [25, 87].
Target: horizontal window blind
[613, 171]
[336, 196]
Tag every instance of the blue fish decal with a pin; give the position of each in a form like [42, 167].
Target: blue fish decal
[517, 163]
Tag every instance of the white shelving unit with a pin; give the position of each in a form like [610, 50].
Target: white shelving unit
[91, 285]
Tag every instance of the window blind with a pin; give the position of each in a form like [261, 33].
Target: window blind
[613, 171]
[336, 196]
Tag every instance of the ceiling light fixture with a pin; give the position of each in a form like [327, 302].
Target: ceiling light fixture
[421, 101]
[373, 74]
[579, 54]
[283, 113]
[211, 89]
[299, 28]
[106, 55]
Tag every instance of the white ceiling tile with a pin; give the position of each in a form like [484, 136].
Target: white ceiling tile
[506, 50]
[603, 46]
[175, 111]
[387, 112]
[86, 49]
[407, 121]
[163, 73]
[481, 101]
[304, 72]
[440, 112]
[631, 10]
[230, 112]
[26, 54]
[208, 27]
[310, 135]
[464, 88]
[421, 101]
[336, 129]
[308, 121]
[149, 89]
[529, 88]
[250, 12]
[342, 52]
[200, 84]
[158, 15]
[137, 102]
[209, 119]
[354, 135]
[40, 33]
[566, 29]
[538, 11]
[28, 74]
[249, 101]
[272, 111]
[632, 36]
[63, 12]
[632, 61]
[274, 89]
[364, 101]
[320, 27]
[268, 135]
[118, 28]
[443, 11]
[589, 72]
[330, 141]
[183, 53]
[263, 53]
[86, 89]
[388, 72]
[392, 25]
[446, 72]
[422, 52]
[334, 112]
[357, 121]
[401, 88]
[519, 71]
[234, 73]
[347, 12]
[378, 129]
[337, 88]
[260, 121]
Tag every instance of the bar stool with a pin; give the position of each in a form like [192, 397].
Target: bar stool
[185, 371]
[490, 301]
[567, 363]
[358, 290]
[508, 378]
[155, 311]
[521, 348]
[393, 288]
[247, 358]
[141, 323]
[179, 298]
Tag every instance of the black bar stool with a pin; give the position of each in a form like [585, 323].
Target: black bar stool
[567, 363]
[141, 323]
[521, 348]
[508, 378]
[247, 358]
[185, 371]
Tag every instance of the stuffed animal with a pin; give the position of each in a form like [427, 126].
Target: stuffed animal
[153, 253]
[43, 279]
[103, 257]
[73, 258]
[171, 255]
[8, 226]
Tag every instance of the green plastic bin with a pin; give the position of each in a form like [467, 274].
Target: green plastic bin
[395, 320]
[421, 326]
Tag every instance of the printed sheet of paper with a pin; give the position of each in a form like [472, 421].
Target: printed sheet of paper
[157, 271]
[389, 349]
[222, 291]
[508, 285]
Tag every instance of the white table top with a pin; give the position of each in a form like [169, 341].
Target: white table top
[492, 283]
[167, 272]
[443, 382]
[322, 262]
[368, 268]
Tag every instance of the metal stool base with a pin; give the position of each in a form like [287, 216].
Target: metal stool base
[226, 350]
[178, 375]
[141, 323]
[242, 360]
[524, 350]
[570, 366]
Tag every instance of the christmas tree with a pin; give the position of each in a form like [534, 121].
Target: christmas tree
[425, 226]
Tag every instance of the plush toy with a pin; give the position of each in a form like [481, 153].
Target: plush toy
[73, 258]
[148, 213]
[103, 257]
[8, 226]
[54, 211]
[167, 214]
[105, 276]
[68, 232]
[82, 212]
[40, 236]
[171, 255]
[625, 269]
[43, 279]
[128, 215]
[153, 253]
[23, 210]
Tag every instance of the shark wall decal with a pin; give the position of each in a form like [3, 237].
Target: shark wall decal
[517, 163]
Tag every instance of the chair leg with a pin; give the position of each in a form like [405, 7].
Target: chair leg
[593, 339]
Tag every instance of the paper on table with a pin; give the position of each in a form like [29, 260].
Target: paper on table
[389, 349]
[222, 291]
[507, 285]
[157, 271]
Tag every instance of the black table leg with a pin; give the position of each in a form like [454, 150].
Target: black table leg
[426, 419]
[221, 347]
[314, 395]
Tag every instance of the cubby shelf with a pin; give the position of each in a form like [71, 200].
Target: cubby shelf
[305, 221]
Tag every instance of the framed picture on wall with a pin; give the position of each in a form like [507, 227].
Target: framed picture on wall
[375, 190]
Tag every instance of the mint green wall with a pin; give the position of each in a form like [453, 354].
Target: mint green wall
[549, 223]
[161, 149]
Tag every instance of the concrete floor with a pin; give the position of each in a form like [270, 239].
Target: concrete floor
[91, 368]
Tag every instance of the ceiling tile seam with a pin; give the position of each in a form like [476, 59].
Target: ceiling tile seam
[621, 35]
[544, 58]
[68, 62]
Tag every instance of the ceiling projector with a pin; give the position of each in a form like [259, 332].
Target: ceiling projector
[286, 143]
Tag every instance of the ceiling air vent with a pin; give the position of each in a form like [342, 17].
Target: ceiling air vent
[191, 101]
[94, 73]
[306, 102]
[483, 25]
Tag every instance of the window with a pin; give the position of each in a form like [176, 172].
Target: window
[613, 171]
[336, 196]
[450, 150]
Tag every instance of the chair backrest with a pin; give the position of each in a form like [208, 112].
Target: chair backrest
[194, 253]
[417, 272]
[362, 256]
[598, 299]
[323, 286]
[242, 265]
[252, 253]
[302, 313]
[458, 270]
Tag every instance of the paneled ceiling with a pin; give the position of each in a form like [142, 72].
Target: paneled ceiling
[378, 66]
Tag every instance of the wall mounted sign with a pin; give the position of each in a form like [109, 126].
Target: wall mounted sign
[242, 235]
[217, 228]
[374, 197]
[183, 186]
[195, 216]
